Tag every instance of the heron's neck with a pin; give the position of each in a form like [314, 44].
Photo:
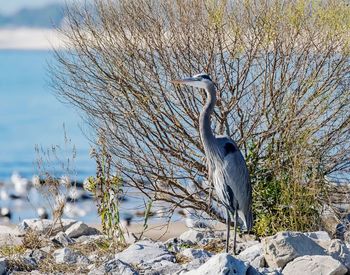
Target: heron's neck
[205, 130]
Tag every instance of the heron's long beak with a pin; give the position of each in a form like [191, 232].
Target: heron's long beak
[186, 80]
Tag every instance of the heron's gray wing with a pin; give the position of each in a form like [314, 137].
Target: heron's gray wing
[237, 178]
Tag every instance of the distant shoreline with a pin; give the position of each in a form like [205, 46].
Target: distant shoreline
[30, 39]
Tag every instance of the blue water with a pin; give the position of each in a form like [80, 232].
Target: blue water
[31, 115]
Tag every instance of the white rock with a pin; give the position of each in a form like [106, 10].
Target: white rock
[80, 229]
[3, 266]
[250, 253]
[244, 245]
[192, 236]
[253, 255]
[37, 255]
[284, 247]
[270, 271]
[318, 235]
[196, 254]
[89, 239]
[145, 253]
[113, 267]
[43, 225]
[339, 251]
[220, 264]
[315, 265]
[65, 255]
[258, 262]
[63, 239]
[163, 267]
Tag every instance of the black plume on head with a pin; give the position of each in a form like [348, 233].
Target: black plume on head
[204, 76]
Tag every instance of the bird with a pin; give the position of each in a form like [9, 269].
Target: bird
[42, 213]
[227, 169]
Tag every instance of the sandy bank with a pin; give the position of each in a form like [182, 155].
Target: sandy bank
[161, 231]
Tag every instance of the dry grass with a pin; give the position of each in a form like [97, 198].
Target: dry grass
[181, 259]
[100, 247]
[216, 246]
[19, 264]
[8, 250]
[48, 265]
[32, 240]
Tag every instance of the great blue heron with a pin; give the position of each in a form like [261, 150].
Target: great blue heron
[227, 167]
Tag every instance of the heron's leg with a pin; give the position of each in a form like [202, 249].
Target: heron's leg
[228, 221]
[235, 233]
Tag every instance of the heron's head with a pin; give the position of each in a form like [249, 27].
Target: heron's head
[199, 81]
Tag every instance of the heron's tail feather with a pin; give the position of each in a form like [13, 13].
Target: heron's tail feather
[247, 219]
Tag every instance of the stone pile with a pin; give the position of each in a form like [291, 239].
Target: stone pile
[192, 253]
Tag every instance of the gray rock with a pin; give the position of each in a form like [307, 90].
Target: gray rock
[251, 253]
[81, 229]
[62, 239]
[196, 254]
[66, 255]
[173, 245]
[347, 236]
[113, 267]
[252, 271]
[194, 264]
[43, 226]
[258, 262]
[145, 253]
[22, 263]
[315, 265]
[244, 245]
[206, 241]
[89, 239]
[29, 262]
[37, 255]
[318, 235]
[270, 271]
[284, 247]
[339, 251]
[46, 249]
[163, 268]
[94, 257]
[33, 272]
[219, 264]
[3, 266]
[192, 236]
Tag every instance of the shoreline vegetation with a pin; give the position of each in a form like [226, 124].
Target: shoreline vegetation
[45, 247]
[30, 39]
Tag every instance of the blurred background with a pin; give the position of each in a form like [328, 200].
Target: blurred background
[39, 134]
[32, 119]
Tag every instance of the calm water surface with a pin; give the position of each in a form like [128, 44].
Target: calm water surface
[31, 115]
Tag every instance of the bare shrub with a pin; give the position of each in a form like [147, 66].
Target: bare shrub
[282, 71]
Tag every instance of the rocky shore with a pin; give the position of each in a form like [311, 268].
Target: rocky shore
[39, 247]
